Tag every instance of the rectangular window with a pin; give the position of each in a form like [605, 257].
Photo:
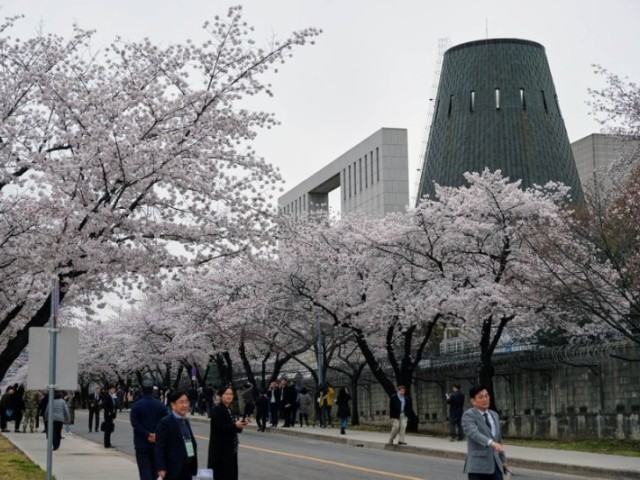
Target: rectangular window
[343, 183]
[378, 164]
[349, 181]
[523, 100]
[544, 102]
[472, 101]
[371, 157]
[366, 175]
[450, 105]
[355, 180]
[360, 172]
[497, 99]
[304, 202]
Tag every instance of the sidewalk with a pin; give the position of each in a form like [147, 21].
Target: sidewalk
[79, 458]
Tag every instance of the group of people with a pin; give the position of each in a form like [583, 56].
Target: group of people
[24, 407]
[486, 458]
[166, 446]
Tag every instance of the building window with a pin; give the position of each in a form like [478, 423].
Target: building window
[378, 164]
[544, 102]
[344, 184]
[355, 180]
[497, 99]
[450, 105]
[349, 181]
[360, 172]
[371, 158]
[366, 175]
[304, 202]
[472, 101]
[523, 99]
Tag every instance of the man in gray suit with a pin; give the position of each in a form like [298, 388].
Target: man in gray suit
[486, 459]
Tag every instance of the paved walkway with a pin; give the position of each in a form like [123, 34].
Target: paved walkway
[79, 458]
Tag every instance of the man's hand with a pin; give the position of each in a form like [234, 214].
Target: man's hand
[151, 438]
[497, 447]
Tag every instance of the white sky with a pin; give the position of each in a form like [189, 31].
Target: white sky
[374, 64]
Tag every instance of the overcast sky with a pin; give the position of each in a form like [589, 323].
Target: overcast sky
[374, 64]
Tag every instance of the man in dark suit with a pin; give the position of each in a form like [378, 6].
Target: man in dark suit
[176, 451]
[94, 404]
[274, 403]
[145, 414]
[486, 459]
[455, 399]
[109, 408]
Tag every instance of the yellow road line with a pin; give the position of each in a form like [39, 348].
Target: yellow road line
[335, 464]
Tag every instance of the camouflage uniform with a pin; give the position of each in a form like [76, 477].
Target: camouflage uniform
[30, 410]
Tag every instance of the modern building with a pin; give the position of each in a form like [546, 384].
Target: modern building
[603, 160]
[497, 108]
[373, 178]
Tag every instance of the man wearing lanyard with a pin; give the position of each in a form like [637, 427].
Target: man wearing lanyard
[397, 409]
[176, 448]
[486, 459]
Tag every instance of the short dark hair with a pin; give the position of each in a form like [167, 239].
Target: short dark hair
[175, 395]
[221, 391]
[456, 385]
[473, 391]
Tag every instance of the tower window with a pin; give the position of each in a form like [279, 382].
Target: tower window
[523, 100]
[450, 105]
[472, 101]
[544, 102]
[497, 99]
[366, 175]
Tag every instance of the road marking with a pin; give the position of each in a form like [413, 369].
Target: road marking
[330, 462]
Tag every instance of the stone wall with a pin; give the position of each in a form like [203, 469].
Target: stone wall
[587, 392]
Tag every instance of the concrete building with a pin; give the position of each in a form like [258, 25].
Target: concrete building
[603, 160]
[373, 178]
[497, 108]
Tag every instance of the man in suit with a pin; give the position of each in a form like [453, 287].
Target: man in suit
[94, 403]
[455, 400]
[176, 451]
[486, 458]
[274, 403]
[398, 405]
[145, 414]
[109, 401]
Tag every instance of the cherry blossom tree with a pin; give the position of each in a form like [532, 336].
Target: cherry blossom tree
[121, 167]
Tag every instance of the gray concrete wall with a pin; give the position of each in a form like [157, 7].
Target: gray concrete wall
[583, 398]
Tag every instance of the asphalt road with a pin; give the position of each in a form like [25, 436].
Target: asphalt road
[269, 456]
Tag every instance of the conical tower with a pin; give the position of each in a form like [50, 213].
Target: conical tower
[497, 108]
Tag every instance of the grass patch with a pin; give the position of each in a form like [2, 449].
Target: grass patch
[626, 448]
[16, 465]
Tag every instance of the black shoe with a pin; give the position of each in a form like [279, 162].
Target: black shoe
[402, 443]
[108, 446]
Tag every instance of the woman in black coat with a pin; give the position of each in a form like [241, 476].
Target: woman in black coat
[344, 412]
[223, 441]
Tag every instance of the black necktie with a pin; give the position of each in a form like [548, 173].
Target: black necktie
[486, 420]
[184, 428]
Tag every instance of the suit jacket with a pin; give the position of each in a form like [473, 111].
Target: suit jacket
[145, 414]
[170, 450]
[481, 458]
[395, 405]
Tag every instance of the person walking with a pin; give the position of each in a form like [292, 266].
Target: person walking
[486, 459]
[176, 450]
[455, 400]
[397, 408]
[144, 415]
[223, 439]
[304, 402]
[262, 411]
[344, 412]
[60, 414]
